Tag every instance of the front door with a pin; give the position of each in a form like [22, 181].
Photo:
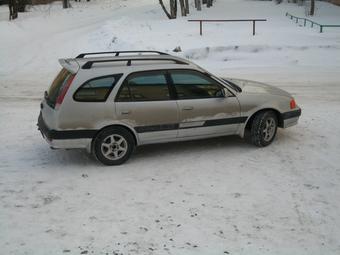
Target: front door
[203, 107]
[144, 103]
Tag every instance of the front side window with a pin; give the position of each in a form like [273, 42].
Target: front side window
[145, 86]
[96, 90]
[192, 84]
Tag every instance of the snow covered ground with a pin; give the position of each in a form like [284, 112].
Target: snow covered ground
[217, 196]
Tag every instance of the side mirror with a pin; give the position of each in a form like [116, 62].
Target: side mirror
[227, 93]
[221, 93]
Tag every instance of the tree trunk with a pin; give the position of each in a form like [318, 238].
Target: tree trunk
[66, 4]
[164, 9]
[183, 11]
[22, 5]
[312, 7]
[187, 7]
[13, 9]
[199, 5]
[173, 9]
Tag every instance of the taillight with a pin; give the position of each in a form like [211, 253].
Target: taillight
[292, 104]
[64, 90]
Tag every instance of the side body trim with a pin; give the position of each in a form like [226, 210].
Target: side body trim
[207, 123]
[90, 133]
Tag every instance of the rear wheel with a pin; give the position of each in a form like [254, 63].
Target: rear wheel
[113, 146]
[263, 128]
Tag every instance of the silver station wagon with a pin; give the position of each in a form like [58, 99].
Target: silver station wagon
[111, 102]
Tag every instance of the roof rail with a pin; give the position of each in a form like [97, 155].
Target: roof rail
[82, 55]
[88, 64]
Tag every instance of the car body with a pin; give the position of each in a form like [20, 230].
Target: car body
[156, 98]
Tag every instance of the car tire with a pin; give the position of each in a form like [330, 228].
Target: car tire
[113, 146]
[263, 128]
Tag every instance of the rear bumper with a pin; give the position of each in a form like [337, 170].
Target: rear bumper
[291, 118]
[70, 139]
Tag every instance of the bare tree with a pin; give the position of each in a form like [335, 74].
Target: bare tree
[199, 5]
[173, 9]
[187, 6]
[13, 9]
[209, 3]
[164, 9]
[312, 7]
[66, 4]
[182, 4]
[22, 5]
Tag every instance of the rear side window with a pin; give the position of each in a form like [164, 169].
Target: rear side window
[145, 86]
[96, 90]
[57, 86]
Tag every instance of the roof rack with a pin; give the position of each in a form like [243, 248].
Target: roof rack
[82, 55]
[88, 64]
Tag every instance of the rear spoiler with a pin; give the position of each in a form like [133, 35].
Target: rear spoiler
[70, 65]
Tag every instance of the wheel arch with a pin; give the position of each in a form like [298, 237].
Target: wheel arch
[251, 118]
[127, 128]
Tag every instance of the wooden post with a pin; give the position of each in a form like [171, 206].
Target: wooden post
[321, 27]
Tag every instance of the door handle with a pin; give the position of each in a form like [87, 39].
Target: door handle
[187, 108]
[125, 112]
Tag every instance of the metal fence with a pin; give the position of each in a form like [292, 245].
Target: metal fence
[225, 20]
[312, 23]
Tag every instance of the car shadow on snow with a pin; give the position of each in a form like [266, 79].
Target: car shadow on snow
[196, 146]
[78, 157]
[224, 145]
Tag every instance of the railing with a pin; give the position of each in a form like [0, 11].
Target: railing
[305, 20]
[225, 20]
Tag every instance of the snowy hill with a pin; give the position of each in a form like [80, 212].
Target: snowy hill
[31, 45]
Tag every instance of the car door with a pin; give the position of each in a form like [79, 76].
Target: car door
[204, 107]
[144, 102]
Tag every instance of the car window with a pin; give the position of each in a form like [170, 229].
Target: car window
[57, 86]
[192, 84]
[145, 86]
[96, 90]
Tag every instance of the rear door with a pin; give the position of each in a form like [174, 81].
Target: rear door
[144, 102]
[204, 109]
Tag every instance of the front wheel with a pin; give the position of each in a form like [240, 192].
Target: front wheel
[113, 146]
[263, 128]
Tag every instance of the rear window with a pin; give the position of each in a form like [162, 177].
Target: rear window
[57, 86]
[96, 90]
[145, 86]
